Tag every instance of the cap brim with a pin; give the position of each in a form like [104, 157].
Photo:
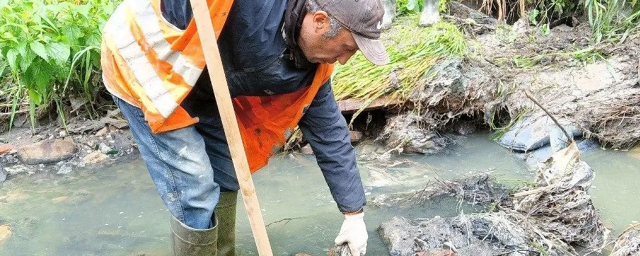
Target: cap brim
[372, 49]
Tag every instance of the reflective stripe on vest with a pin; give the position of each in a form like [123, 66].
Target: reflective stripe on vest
[153, 65]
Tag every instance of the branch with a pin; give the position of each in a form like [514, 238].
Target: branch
[570, 138]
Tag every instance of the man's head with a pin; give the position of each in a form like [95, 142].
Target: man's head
[333, 30]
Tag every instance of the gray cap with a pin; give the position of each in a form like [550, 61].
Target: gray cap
[364, 19]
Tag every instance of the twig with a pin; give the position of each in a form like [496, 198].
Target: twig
[285, 219]
[526, 92]
[629, 228]
[531, 192]
[17, 112]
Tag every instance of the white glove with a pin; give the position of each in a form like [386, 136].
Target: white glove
[354, 233]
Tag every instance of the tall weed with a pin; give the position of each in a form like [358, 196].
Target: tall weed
[49, 50]
[612, 19]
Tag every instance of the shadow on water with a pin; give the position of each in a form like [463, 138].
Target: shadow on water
[116, 210]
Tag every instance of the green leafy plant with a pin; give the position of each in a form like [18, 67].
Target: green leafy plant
[406, 7]
[49, 50]
[549, 10]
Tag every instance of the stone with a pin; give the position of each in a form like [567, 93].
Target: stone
[16, 169]
[430, 13]
[64, 169]
[104, 148]
[45, 152]
[306, 150]
[5, 148]
[95, 157]
[102, 131]
[5, 233]
[3, 173]
[356, 136]
[531, 133]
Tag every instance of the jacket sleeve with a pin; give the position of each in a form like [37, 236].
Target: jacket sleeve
[324, 127]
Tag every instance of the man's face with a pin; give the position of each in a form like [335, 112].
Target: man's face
[320, 49]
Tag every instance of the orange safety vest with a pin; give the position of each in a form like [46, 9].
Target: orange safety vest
[151, 64]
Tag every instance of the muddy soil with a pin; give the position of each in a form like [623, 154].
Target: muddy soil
[87, 144]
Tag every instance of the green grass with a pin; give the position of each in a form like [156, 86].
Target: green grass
[612, 20]
[413, 51]
[49, 51]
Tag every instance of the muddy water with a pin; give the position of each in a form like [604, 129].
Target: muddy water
[116, 211]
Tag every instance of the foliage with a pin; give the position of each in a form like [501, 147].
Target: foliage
[609, 19]
[50, 49]
[413, 51]
[612, 19]
[545, 11]
[408, 7]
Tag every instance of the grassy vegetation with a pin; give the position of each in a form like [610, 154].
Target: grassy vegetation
[609, 19]
[49, 52]
[612, 19]
[413, 51]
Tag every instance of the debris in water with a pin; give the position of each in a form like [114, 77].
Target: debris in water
[549, 218]
[560, 205]
[477, 189]
[628, 243]
[338, 250]
[5, 233]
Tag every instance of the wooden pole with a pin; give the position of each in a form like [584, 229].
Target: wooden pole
[230, 124]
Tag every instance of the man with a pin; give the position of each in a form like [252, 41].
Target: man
[277, 56]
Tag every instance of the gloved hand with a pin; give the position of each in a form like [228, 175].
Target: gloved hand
[354, 233]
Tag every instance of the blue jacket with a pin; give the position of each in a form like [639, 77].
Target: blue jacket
[253, 50]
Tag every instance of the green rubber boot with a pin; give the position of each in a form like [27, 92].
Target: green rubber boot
[189, 241]
[226, 214]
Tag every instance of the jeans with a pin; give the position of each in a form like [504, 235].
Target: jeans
[189, 166]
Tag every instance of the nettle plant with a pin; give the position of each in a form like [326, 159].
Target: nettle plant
[49, 50]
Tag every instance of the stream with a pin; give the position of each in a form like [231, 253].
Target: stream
[116, 210]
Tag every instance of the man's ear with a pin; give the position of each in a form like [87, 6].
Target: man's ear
[321, 21]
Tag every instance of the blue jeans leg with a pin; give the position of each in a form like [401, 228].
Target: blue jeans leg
[201, 103]
[179, 166]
